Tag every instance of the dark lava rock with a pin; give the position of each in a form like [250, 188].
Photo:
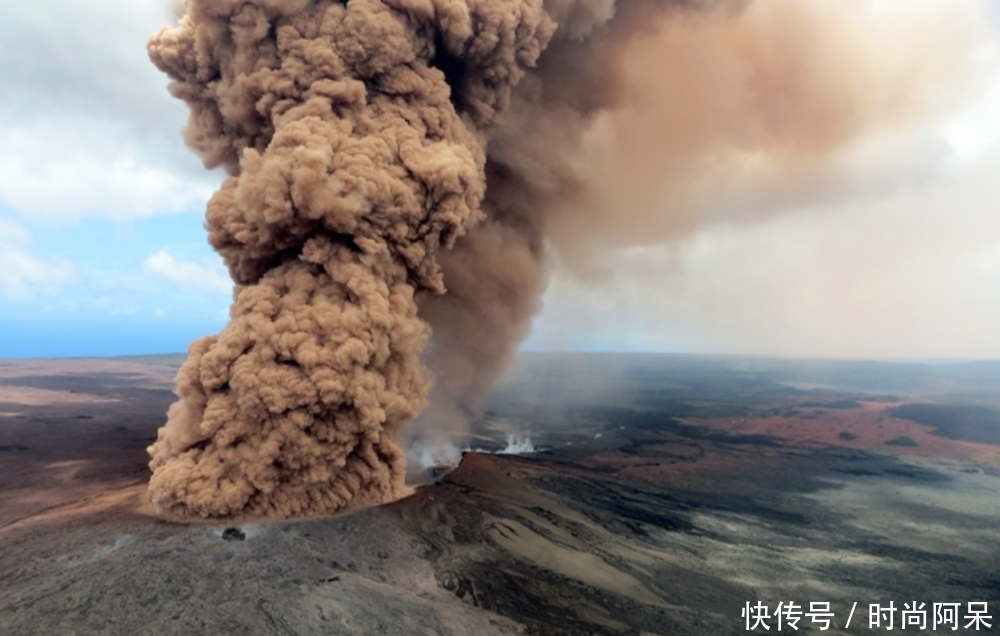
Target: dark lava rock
[233, 534]
[847, 437]
[902, 440]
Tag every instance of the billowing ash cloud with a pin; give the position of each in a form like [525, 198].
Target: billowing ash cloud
[400, 170]
[355, 138]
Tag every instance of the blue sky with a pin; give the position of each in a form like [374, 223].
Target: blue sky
[102, 249]
[113, 287]
[101, 246]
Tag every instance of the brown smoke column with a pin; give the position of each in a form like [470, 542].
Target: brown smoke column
[402, 168]
[352, 166]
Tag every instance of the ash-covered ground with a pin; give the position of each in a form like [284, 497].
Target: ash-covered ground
[664, 493]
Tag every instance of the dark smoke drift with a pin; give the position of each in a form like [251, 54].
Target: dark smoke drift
[398, 169]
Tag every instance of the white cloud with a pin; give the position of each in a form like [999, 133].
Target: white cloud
[65, 170]
[11, 233]
[87, 127]
[22, 274]
[186, 273]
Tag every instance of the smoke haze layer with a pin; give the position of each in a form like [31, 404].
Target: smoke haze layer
[645, 120]
[404, 174]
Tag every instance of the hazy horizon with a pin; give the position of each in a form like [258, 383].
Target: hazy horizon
[177, 356]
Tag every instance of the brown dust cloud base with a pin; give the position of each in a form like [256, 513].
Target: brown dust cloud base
[664, 493]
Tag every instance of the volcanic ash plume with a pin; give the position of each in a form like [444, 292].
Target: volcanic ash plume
[400, 168]
[645, 120]
[354, 136]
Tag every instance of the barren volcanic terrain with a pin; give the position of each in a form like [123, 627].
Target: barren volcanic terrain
[663, 494]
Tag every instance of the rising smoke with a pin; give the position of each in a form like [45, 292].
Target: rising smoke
[403, 175]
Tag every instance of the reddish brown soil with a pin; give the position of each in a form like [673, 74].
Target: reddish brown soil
[680, 460]
[73, 434]
[871, 426]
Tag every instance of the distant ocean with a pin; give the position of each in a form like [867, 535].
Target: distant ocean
[86, 339]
